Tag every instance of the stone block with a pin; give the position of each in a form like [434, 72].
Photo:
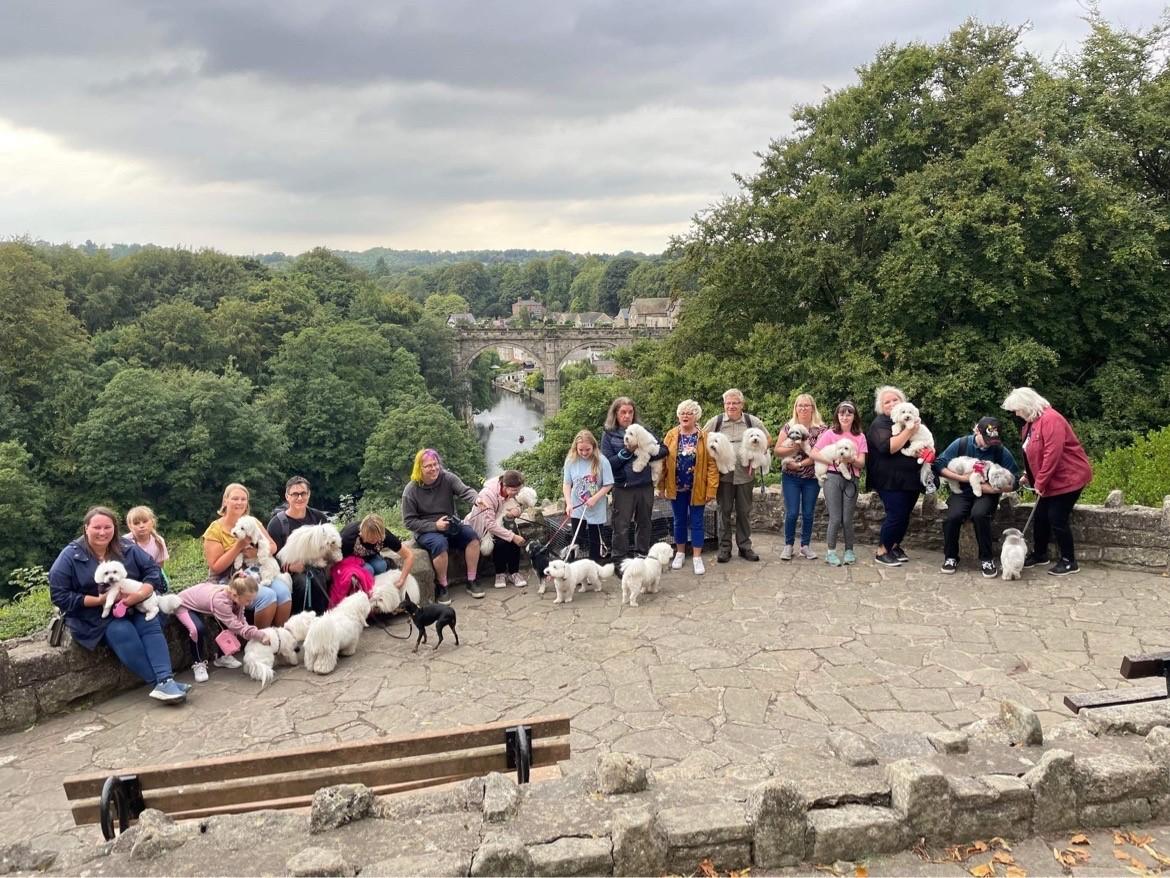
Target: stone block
[621, 773]
[335, 806]
[851, 748]
[439, 864]
[1127, 719]
[949, 742]
[501, 797]
[989, 806]
[780, 834]
[19, 857]
[708, 824]
[1054, 791]
[1113, 777]
[1119, 813]
[919, 793]
[1021, 723]
[725, 857]
[1158, 746]
[502, 854]
[854, 832]
[319, 861]
[1115, 499]
[639, 847]
[573, 856]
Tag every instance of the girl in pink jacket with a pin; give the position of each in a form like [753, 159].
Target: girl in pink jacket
[485, 518]
[226, 602]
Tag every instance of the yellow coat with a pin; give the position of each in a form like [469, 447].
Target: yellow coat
[706, 473]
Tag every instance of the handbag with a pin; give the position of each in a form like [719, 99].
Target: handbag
[227, 642]
[56, 630]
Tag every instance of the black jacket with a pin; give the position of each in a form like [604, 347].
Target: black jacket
[885, 471]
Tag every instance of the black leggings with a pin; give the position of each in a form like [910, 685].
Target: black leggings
[1052, 515]
[505, 556]
[589, 542]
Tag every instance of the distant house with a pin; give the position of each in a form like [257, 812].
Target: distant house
[558, 317]
[623, 317]
[592, 320]
[462, 317]
[534, 308]
[651, 312]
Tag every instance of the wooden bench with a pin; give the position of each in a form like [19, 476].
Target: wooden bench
[1133, 667]
[283, 779]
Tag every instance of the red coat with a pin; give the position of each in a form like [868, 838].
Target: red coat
[1056, 460]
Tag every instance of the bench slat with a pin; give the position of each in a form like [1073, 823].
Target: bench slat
[1112, 698]
[1134, 667]
[337, 755]
[246, 791]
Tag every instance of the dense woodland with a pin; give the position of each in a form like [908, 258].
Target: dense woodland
[965, 218]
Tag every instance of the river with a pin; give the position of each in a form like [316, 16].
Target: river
[511, 417]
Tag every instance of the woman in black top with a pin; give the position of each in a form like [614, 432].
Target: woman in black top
[895, 476]
[368, 538]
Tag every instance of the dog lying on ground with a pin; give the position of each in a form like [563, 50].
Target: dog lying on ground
[112, 576]
[432, 614]
[1013, 553]
[336, 633]
[644, 574]
[754, 452]
[641, 444]
[318, 545]
[842, 452]
[723, 451]
[571, 576]
[251, 528]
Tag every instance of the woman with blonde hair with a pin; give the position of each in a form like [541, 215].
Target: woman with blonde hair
[586, 480]
[690, 480]
[367, 538]
[799, 479]
[894, 475]
[1057, 467]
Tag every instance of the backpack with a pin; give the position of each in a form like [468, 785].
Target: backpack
[996, 450]
[747, 419]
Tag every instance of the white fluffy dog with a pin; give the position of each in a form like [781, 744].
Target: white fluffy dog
[336, 633]
[251, 528]
[112, 576]
[798, 435]
[643, 574]
[754, 452]
[298, 625]
[569, 577]
[513, 508]
[842, 453]
[260, 655]
[905, 415]
[315, 544]
[1013, 553]
[385, 597]
[723, 451]
[981, 472]
[641, 444]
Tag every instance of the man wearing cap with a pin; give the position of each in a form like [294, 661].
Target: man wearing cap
[983, 443]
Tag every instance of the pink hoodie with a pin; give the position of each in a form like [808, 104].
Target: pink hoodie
[216, 598]
[484, 513]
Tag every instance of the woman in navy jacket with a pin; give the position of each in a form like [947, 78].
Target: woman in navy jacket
[138, 643]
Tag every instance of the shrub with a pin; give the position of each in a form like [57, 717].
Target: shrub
[31, 609]
[1141, 470]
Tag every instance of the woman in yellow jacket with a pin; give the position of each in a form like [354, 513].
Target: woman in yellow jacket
[689, 480]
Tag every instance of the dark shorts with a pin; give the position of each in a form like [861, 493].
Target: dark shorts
[436, 542]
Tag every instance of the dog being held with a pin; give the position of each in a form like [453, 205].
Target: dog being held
[336, 633]
[112, 576]
[641, 444]
[318, 545]
[251, 528]
[260, 655]
[980, 472]
[432, 614]
[571, 576]
[644, 574]
[921, 445]
[513, 507]
[798, 435]
[754, 452]
[1013, 553]
[723, 451]
[842, 453]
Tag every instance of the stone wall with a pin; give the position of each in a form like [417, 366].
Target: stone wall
[1112, 532]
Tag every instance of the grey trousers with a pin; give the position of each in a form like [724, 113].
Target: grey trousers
[840, 501]
[636, 505]
[737, 499]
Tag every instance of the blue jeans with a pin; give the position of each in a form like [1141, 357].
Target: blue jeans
[800, 498]
[276, 592]
[141, 646]
[375, 565]
[899, 505]
[687, 515]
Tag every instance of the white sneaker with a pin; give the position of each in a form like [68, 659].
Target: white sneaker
[228, 661]
[699, 568]
[807, 553]
[199, 669]
[786, 552]
[501, 581]
[676, 562]
[519, 580]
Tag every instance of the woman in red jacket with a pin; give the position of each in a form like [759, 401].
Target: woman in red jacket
[1057, 468]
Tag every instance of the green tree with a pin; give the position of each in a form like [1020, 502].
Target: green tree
[329, 277]
[24, 507]
[613, 281]
[560, 281]
[443, 305]
[583, 293]
[175, 333]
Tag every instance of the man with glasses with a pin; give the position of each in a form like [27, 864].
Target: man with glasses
[310, 587]
[735, 488]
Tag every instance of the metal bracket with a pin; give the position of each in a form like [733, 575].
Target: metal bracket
[124, 794]
[518, 744]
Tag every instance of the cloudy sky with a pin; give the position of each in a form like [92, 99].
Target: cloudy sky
[588, 125]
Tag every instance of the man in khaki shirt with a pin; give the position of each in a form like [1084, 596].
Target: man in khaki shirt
[735, 487]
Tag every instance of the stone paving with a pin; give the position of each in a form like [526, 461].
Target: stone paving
[715, 675]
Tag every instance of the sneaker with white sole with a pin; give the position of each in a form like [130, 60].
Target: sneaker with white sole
[199, 669]
[786, 552]
[228, 661]
[831, 559]
[501, 581]
[168, 692]
[807, 553]
[676, 562]
[850, 557]
[520, 580]
[698, 565]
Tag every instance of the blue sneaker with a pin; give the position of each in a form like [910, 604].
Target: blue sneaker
[831, 558]
[169, 692]
[850, 558]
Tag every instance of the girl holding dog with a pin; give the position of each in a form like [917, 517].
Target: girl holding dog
[799, 480]
[273, 604]
[587, 478]
[138, 643]
[841, 492]
[484, 518]
[690, 480]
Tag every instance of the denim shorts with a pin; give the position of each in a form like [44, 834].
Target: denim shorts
[437, 542]
[277, 592]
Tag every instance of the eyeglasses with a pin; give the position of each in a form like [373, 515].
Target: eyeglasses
[298, 493]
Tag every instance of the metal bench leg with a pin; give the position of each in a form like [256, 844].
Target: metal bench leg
[124, 793]
[518, 743]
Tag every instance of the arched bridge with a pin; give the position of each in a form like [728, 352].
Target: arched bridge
[549, 346]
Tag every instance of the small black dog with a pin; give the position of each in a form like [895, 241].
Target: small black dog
[539, 555]
[432, 614]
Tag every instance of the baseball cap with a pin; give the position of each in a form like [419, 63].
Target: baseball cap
[988, 428]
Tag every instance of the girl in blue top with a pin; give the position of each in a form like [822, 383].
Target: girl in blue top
[587, 479]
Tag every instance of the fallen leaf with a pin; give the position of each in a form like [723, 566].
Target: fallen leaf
[978, 847]
[820, 867]
[1079, 855]
[1119, 837]
[1139, 840]
[1079, 838]
[861, 872]
[1016, 872]
[1120, 854]
[986, 870]
[740, 873]
[707, 868]
[1165, 861]
[999, 844]
[1003, 857]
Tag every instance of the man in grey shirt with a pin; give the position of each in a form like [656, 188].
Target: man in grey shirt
[735, 488]
[428, 509]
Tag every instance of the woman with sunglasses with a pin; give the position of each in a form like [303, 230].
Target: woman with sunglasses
[841, 492]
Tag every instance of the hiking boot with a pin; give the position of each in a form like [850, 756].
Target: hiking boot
[199, 669]
[807, 553]
[748, 555]
[442, 595]
[831, 558]
[724, 556]
[786, 552]
[889, 559]
[475, 589]
[899, 554]
[228, 661]
[990, 569]
[168, 692]
[1033, 560]
[949, 565]
[849, 557]
[676, 562]
[1064, 567]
